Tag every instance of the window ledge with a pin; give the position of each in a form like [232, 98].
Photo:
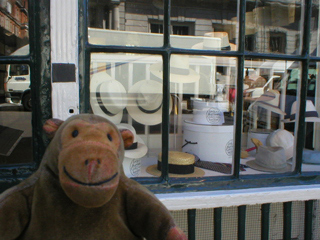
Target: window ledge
[223, 198]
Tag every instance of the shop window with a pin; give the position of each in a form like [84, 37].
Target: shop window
[205, 116]
[20, 149]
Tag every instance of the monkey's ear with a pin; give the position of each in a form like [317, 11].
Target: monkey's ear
[51, 126]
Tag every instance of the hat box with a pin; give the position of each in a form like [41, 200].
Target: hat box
[209, 142]
[209, 112]
[131, 167]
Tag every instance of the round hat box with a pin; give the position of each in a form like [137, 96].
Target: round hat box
[208, 142]
[131, 167]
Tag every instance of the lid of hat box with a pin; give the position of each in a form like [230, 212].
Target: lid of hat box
[209, 142]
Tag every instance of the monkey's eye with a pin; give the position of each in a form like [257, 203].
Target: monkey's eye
[75, 133]
[109, 137]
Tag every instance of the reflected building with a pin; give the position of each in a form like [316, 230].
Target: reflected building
[13, 30]
[265, 32]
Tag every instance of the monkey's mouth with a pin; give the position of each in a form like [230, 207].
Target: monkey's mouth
[88, 184]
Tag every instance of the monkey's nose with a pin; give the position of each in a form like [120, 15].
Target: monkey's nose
[92, 165]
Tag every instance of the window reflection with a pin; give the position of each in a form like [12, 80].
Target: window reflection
[271, 27]
[203, 91]
[270, 92]
[274, 27]
[15, 98]
[198, 83]
[123, 90]
[314, 37]
[311, 151]
[15, 116]
[127, 89]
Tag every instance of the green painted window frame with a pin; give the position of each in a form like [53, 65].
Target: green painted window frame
[164, 184]
[38, 60]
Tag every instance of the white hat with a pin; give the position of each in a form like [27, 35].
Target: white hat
[310, 156]
[269, 100]
[215, 41]
[139, 149]
[282, 138]
[146, 102]
[270, 159]
[108, 97]
[311, 114]
[180, 71]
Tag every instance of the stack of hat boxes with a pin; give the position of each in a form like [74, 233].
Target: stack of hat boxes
[206, 135]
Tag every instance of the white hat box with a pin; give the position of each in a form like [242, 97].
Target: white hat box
[209, 112]
[209, 142]
[131, 167]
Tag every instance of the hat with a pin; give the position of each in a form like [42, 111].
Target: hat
[215, 41]
[146, 101]
[311, 156]
[269, 100]
[152, 169]
[282, 138]
[270, 159]
[180, 71]
[311, 114]
[108, 97]
[179, 164]
[139, 149]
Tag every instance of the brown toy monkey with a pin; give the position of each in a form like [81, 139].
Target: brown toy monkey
[80, 191]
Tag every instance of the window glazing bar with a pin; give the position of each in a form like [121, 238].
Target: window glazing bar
[84, 57]
[239, 97]
[287, 221]
[265, 214]
[16, 59]
[304, 81]
[308, 223]
[166, 92]
[39, 80]
[192, 224]
[217, 221]
[242, 222]
[165, 119]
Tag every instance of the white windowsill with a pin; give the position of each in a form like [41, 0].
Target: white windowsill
[223, 198]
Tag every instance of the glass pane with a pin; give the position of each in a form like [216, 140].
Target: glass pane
[201, 121]
[127, 23]
[314, 37]
[270, 94]
[311, 152]
[210, 25]
[15, 115]
[123, 90]
[273, 26]
[14, 28]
